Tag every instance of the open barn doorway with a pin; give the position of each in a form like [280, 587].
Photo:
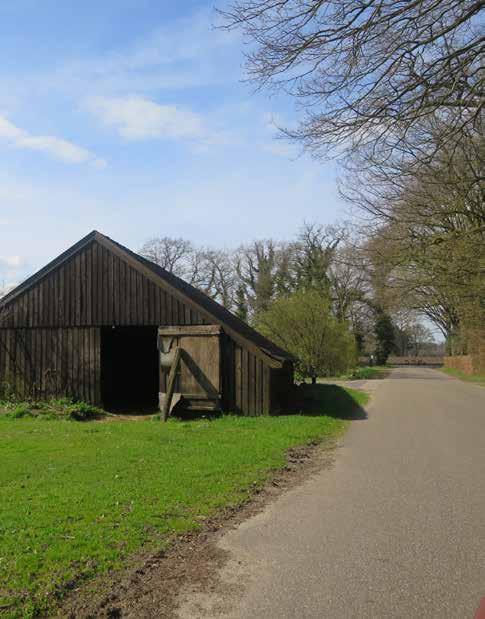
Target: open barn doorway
[129, 369]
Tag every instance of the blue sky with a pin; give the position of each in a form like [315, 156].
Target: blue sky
[131, 117]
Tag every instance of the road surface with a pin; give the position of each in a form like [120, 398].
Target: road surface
[396, 528]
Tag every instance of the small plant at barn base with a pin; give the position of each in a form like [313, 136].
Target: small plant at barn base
[61, 409]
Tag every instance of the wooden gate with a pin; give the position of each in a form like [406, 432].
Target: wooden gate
[190, 367]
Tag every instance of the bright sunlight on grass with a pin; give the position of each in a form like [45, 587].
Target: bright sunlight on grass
[369, 372]
[77, 498]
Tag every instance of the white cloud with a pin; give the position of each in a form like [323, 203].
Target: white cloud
[8, 131]
[12, 262]
[55, 147]
[137, 118]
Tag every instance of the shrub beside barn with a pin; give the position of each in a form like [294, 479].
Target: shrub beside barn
[96, 323]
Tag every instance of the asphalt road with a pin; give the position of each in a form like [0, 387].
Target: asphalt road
[396, 528]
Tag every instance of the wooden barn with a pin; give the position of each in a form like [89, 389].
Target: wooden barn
[101, 324]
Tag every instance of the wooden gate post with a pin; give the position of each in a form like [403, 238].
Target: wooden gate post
[171, 384]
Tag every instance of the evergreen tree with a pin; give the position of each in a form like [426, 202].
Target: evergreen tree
[384, 332]
[241, 303]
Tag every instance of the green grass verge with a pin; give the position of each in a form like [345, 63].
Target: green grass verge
[363, 373]
[369, 372]
[77, 499]
[469, 378]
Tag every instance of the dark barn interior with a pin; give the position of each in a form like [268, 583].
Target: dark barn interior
[129, 368]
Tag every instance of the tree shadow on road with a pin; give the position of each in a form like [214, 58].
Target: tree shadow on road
[332, 401]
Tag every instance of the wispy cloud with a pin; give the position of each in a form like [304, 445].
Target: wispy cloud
[12, 262]
[55, 147]
[137, 118]
[185, 53]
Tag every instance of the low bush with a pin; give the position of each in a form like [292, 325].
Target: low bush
[21, 410]
[50, 409]
[304, 325]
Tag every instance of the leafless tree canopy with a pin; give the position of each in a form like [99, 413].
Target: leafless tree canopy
[210, 270]
[367, 72]
[325, 260]
[172, 254]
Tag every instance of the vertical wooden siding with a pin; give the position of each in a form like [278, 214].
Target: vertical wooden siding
[247, 382]
[50, 338]
[96, 288]
[47, 363]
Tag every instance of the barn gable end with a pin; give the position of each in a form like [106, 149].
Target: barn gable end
[95, 287]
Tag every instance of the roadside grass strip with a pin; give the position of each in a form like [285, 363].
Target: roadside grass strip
[368, 372]
[478, 379]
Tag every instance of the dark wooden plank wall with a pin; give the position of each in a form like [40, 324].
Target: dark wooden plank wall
[246, 380]
[97, 288]
[51, 363]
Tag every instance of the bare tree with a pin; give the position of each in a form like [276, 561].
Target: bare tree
[349, 285]
[198, 269]
[211, 270]
[398, 89]
[426, 228]
[367, 72]
[221, 269]
[172, 254]
[314, 252]
[256, 267]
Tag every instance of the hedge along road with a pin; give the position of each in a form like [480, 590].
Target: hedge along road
[395, 529]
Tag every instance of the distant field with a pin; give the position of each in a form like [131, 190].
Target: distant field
[77, 499]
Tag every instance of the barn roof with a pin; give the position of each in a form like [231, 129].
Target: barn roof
[214, 311]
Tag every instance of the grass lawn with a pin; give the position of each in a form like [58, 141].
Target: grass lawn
[470, 378]
[76, 499]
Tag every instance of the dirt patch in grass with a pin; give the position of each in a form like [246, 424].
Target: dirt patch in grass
[149, 586]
